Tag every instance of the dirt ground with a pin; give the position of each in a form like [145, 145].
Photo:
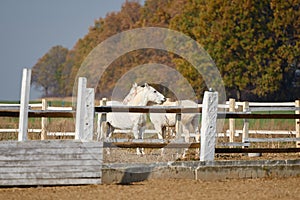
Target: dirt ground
[171, 189]
[233, 189]
[154, 155]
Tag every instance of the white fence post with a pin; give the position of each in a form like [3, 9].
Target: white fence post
[231, 120]
[80, 108]
[23, 117]
[84, 111]
[89, 115]
[297, 105]
[245, 135]
[209, 126]
[44, 120]
[178, 124]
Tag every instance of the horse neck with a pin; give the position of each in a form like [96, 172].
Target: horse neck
[133, 92]
[128, 98]
[140, 99]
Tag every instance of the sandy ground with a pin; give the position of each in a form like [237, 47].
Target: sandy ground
[233, 189]
[283, 189]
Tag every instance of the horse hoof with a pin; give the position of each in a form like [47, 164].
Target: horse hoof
[140, 152]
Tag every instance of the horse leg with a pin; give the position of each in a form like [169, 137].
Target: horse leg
[109, 129]
[136, 134]
[186, 131]
[141, 136]
[161, 134]
[158, 129]
[195, 124]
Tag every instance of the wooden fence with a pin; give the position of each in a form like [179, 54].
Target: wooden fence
[52, 162]
[48, 162]
[13, 110]
[242, 110]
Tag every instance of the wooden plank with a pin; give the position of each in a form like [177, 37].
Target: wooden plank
[40, 113]
[233, 144]
[47, 175]
[273, 139]
[49, 144]
[255, 109]
[258, 116]
[30, 156]
[147, 109]
[270, 104]
[268, 132]
[257, 150]
[9, 107]
[52, 113]
[52, 151]
[50, 162]
[165, 145]
[150, 145]
[61, 168]
[27, 182]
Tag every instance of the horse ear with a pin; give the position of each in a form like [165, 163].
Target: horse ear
[134, 85]
[146, 85]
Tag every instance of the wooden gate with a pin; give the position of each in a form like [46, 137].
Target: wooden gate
[55, 162]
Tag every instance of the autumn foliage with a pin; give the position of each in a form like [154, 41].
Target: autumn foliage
[255, 45]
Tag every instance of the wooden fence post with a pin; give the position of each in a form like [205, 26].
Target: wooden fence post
[44, 120]
[80, 108]
[178, 124]
[245, 135]
[101, 121]
[297, 105]
[231, 120]
[84, 111]
[209, 126]
[23, 116]
[89, 115]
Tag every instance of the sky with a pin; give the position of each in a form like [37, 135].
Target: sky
[29, 28]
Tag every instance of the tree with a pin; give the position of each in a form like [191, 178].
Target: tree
[286, 33]
[255, 45]
[239, 37]
[46, 73]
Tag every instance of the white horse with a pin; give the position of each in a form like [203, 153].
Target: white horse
[138, 96]
[188, 120]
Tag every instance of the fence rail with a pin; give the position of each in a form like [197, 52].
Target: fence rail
[66, 112]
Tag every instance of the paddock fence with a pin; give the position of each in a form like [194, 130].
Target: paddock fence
[31, 151]
[44, 111]
[233, 110]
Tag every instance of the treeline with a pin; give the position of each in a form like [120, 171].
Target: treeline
[255, 45]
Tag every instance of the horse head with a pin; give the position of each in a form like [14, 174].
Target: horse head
[142, 95]
[152, 95]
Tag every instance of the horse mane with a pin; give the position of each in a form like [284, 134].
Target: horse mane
[131, 94]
